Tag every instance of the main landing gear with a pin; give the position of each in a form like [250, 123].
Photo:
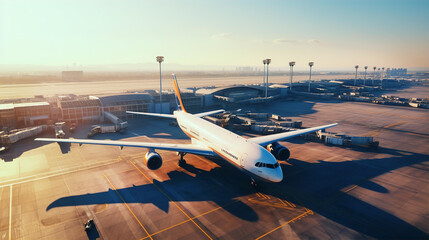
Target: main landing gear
[181, 160]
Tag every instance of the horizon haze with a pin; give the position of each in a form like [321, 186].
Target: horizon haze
[213, 35]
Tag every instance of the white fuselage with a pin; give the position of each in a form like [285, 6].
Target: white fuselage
[237, 150]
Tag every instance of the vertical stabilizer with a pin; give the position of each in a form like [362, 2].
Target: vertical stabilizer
[179, 102]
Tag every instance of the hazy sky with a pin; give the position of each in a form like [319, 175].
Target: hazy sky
[332, 33]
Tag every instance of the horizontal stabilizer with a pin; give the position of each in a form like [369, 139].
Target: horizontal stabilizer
[209, 113]
[153, 114]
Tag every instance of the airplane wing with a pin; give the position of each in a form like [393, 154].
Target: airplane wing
[203, 114]
[187, 148]
[153, 114]
[265, 140]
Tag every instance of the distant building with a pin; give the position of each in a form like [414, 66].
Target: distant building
[72, 76]
[7, 115]
[246, 69]
[395, 72]
[238, 94]
[118, 104]
[19, 115]
[79, 109]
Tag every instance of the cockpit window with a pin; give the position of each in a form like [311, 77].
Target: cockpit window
[267, 165]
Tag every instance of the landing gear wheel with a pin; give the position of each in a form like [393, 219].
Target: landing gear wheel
[254, 183]
[181, 160]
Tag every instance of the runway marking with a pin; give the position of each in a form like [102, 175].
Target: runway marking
[58, 173]
[307, 212]
[261, 195]
[351, 188]
[287, 203]
[133, 133]
[165, 194]
[10, 212]
[175, 225]
[262, 199]
[123, 200]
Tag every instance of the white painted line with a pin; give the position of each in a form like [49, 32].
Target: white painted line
[61, 172]
[10, 212]
[135, 134]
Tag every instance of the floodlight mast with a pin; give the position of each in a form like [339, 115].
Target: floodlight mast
[291, 64]
[266, 86]
[364, 80]
[309, 80]
[264, 62]
[357, 66]
[373, 76]
[160, 59]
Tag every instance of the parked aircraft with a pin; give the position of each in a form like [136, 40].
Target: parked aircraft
[256, 156]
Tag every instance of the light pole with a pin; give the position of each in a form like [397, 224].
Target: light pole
[291, 64]
[264, 62]
[373, 76]
[266, 86]
[364, 80]
[160, 59]
[382, 76]
[309, 80]
[357, 66]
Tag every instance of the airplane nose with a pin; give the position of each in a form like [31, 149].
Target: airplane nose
[278, 176]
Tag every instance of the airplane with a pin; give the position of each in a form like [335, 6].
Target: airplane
[255, 156]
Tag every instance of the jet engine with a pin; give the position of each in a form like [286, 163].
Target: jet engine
[152, 160]
[279, 152]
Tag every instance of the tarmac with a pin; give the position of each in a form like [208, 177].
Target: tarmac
[48, 191]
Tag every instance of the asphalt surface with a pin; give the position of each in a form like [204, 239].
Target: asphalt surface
[49, 191]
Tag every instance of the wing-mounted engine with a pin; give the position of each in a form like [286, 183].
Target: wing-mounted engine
[152, 160]
[279, 152]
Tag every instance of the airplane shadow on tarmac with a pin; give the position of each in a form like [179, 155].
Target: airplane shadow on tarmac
[316, 186]
[18, 149]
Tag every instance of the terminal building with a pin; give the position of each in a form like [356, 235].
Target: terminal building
[79, 110]
[118, 104]
[19, 115]
[241, 94]
[91, 109]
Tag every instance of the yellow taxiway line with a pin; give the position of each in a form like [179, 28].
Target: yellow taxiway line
[178, 224]
[114, 188]
[308, 211]
[165, 194]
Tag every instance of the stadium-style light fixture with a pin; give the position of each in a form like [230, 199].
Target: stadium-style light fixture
[160, 59]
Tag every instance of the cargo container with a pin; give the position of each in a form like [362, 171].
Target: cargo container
[334, 141]
[258, 115]
[214, 120]
[298, 124]
[361, 140]
[285, 123]
[276, 117]
[416, 105]
[21, 134]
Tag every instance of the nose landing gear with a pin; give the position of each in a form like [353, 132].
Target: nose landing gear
[253, 182]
